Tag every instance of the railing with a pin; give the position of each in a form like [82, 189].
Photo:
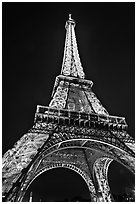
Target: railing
[80, 115]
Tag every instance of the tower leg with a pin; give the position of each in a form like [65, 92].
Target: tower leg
[100, 170]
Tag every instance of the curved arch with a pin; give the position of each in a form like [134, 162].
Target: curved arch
[85, 177]
[111, 151]
[87, 144]
[114, 147]
[65, 132]
[75, 141]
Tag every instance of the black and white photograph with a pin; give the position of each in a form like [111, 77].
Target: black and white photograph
[68, 101]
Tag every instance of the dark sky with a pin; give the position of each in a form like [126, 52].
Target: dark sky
[33, 42]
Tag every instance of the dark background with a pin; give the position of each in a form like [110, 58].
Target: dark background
[33, 37]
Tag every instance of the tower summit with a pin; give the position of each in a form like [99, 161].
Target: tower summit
[71, 65]
[75, 131]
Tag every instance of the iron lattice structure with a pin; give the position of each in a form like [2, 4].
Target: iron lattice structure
[75, 131]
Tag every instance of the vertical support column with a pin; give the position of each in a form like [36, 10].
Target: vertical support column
[101, 169]
[60, 96]
[92, 191]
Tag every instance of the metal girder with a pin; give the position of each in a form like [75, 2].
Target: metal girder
[100, 171]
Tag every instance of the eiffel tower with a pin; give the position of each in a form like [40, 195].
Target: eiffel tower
[75, 131]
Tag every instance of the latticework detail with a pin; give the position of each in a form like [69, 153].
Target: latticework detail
[71, 64]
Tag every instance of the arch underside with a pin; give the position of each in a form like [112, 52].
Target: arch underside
[97, 141]
[70, 155]
[78, 160]
[107, 150]
[56, 137]
[90, 138]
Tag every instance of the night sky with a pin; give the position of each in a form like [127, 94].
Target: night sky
[33, 37]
